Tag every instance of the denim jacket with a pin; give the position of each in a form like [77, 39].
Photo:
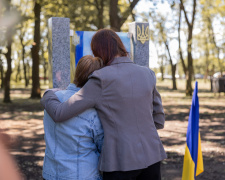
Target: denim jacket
[72, 147]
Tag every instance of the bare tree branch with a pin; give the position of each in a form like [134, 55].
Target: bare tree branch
[194, 11]
[179, 42]
[91, 3]
[97, 5]
[185, 13]
[127, 12]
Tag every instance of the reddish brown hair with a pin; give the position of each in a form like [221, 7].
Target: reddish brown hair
[86, 65]
[106, 44]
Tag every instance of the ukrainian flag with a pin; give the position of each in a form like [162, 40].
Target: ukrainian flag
[193, 162]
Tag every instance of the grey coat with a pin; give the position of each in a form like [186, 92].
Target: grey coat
[130, 108]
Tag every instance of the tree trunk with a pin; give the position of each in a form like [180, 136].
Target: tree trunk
[44, 64]
[9, 34]
[206, 73]
[189, 47]
[45, 67]
[2, 74]
[24, 66]
[190, 66]
[28, 73]
[113, 14]
[179, 42]
[162, 70]
[213, 69]
[23, 60]
[100, 13]
[219, 62]
[193, 71]
[207, 61]
[173, 67]
[217, 48]
[117, 20]
[9, 70]
[2, 71]
[36, 91]
[18, 78]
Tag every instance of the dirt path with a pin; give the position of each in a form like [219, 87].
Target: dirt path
[23, 121]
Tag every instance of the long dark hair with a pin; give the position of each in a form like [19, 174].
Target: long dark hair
[106, 44]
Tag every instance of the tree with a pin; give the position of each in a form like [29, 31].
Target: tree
[18, 73]
[190, 25]
[23, 55]
[161, 65]
[9, 67]
[117, 18]
[99, 5]
[217, 48]
[204, 45]
[210, 39]
[85, 15]
[25, 69]
[163, 38]
[1, 70]
[23, 35]
[9, 34]
[161, 56]
[179, 42]
[165, 41]
[7, 27]
[36, 91]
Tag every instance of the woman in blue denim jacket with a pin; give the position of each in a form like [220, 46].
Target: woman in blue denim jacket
[73, 147]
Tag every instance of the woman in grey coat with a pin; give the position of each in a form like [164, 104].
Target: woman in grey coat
[130, 109]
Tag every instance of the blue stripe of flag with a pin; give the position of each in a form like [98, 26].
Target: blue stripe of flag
[193, 127]
[79, 47]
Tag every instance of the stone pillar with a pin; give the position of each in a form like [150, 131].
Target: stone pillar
[72, 56]
[139, 43]
[59, 52]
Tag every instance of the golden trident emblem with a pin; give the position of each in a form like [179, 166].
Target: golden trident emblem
[142, 35]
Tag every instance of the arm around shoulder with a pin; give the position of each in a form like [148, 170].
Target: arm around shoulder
[86, 98]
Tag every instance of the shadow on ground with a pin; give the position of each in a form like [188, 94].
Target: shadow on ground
[23, 120]
[29, 156]
[172, 167]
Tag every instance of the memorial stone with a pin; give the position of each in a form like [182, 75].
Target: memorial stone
[59, 52]
[66, 47]
[140, 43]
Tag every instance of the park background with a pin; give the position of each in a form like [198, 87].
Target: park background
[187, 43]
